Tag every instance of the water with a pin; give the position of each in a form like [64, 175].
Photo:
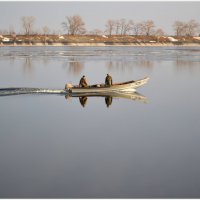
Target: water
[53, 147]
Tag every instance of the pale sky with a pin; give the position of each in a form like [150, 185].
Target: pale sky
[96, 13]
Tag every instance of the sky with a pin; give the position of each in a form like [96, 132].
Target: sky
[96, 13]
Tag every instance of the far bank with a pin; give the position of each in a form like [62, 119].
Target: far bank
[102, 44]
[96, 40]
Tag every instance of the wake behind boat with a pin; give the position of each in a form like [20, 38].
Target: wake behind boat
[25, 90]
[129, 86]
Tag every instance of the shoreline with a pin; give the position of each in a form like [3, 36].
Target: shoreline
[102, 44]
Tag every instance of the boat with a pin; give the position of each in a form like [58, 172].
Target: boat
[98, 89]
[129, 86]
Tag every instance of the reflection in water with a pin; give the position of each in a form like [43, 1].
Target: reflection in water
[75, 66]
[187, 65]
[27, 66]
[83, 100]
[108, 100]
[120, 65]
[121, 59]
[148, 64]
[108, 97]
[123, 66]
[45, 60]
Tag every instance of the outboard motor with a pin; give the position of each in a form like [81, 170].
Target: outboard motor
[68, 86]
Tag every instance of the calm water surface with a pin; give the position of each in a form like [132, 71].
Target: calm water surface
[52, 147]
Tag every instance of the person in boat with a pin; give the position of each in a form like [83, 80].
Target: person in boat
[83, 82]
[108, 80]
[108, 101]
[83, 100]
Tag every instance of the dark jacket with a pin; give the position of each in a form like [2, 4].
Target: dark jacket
[108, 80]
[83, 82]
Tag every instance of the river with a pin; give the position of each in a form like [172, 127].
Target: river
[51, 146]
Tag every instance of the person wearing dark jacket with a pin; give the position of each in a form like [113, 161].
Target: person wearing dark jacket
[83, 82]
[108, 80]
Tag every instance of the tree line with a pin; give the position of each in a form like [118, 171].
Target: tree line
[75, 25]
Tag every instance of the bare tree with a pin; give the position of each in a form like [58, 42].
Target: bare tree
[147, 27]
[137, 28]
[117, 27]
[179, 28]
[125, 26]
[129, 26]
[74, 25]
[159, 32]
[186, 28]
[122, 23]
[192, 27]
[110, 26]
[27, 24]
[96, 32]
[46, 30]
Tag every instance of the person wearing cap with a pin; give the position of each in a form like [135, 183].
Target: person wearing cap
[83, 82]
[108, 80]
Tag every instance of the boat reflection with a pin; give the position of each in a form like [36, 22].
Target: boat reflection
[83, 98]
[108, 100]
